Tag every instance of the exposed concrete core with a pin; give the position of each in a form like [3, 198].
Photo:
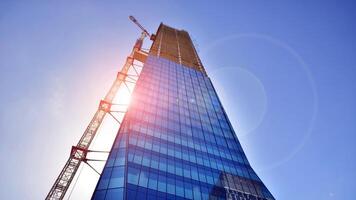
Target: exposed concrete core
[176, 45]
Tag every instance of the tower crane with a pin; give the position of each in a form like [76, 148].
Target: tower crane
[79, 152]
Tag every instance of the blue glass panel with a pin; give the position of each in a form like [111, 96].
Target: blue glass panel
[171, 186]
[114, 194]
[120, 158]
[117, 177]
[162, 185]
[133, 175]
[196, 192]
[131, 194]
[152, 182]
[99, 195]
[105, 178]
[188, 191]
[179, 188]
[143, 179]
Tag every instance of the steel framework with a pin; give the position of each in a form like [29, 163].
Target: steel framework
[79, 152]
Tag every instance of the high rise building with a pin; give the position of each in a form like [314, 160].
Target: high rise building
[176, 141]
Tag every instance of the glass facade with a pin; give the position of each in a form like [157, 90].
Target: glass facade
[176, 142]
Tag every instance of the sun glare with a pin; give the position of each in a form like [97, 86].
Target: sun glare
[102, 142]
[123, 96]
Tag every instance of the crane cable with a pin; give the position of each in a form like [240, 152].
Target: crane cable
[80, 171]
[75, 182]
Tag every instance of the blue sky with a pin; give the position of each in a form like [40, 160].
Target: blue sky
[284, 70]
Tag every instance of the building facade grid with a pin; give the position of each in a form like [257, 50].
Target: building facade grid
[176, 142]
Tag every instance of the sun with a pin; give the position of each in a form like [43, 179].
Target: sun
[123, 95]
